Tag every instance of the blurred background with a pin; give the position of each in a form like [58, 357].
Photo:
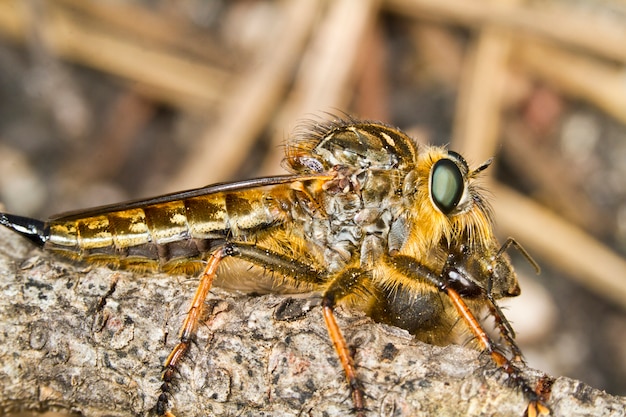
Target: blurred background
[102, 101]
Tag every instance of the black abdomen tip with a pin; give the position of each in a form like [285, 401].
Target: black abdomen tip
[32, 229]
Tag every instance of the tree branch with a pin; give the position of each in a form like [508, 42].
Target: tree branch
[93, 340]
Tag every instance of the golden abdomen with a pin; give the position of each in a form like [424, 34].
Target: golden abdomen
[167, 236]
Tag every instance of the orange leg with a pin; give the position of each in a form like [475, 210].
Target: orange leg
[189, 328]
[349, 282]
[535, 407]
[341, 347]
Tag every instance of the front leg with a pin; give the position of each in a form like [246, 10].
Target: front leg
[414, 271]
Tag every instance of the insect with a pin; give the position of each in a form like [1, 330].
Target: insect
[366, 218]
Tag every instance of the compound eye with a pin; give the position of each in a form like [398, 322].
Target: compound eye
[446, 185]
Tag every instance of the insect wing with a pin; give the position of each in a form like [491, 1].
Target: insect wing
[180, 195]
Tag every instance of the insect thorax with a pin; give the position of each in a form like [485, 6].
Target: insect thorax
[353, 217]
[359, 215]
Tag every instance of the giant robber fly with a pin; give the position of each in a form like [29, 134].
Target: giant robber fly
[366, 217]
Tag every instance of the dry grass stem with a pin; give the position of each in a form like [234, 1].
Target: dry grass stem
[564, 25]
[250, 103]
[327, 71]
[578, 76]
[159, 73]
[477, 124]
[588, 261]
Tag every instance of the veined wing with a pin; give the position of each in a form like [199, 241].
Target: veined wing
[196, 192]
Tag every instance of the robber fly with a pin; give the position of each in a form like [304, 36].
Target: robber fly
[366, 217]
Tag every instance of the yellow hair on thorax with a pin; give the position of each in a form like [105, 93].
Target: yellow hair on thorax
[430, 227]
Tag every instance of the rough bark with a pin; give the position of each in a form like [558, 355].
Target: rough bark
[71, 339]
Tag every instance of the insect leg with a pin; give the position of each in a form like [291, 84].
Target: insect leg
[504, 327]
[296, 273]
[286, 267]
[347, 283]
[535, 407]
[189, 326]
[418, 272]
[510, 241]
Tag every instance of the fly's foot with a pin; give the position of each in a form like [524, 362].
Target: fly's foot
[537, 408]
[162, 402]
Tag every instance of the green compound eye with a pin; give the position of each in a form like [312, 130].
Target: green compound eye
[446, 185]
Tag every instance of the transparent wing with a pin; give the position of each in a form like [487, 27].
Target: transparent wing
[210, 189]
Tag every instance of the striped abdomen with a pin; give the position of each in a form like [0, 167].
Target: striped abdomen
[167, 236]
